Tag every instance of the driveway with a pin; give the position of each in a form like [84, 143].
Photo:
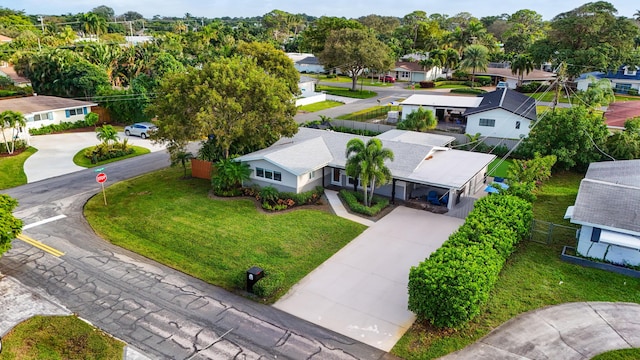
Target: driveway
[55, 153]
[361, 291]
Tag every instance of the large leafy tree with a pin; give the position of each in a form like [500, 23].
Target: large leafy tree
[476, 57]
[10, 226]
[419, 120]
[367, 163]
[275, 62]
[233, 100]
[575, 136]
[12, 121]
[524, 28]
[315, 36]
[353, 50]
[599, 93]
[625, 145]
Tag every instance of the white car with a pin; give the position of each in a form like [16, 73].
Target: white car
[143, 129]
[502, 85]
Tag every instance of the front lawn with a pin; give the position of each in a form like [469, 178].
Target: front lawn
[346, 92]
[533, 277]
[322, 105]
[59, 337]
[12, 169]
[174, 222]
[81, 160]
[498, 167]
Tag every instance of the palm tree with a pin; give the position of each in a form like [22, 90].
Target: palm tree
[452, 59]
[637, 15]
[229, 175]
[420, 120]
[181, 157]
[366, 162]
[13, 120]
[93, 24]
[107, 133]
[522, 65]
[476, 57]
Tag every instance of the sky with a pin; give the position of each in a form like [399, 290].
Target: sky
[345, 8]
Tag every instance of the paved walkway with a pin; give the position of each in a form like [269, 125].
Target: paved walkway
[339, 209]
[55, 153]
[361, 291]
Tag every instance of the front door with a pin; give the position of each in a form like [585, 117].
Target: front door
[336, 177]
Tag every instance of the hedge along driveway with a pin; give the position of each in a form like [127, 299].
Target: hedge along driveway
[175, 222]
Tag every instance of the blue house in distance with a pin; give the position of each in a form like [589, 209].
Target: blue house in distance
[624, 81]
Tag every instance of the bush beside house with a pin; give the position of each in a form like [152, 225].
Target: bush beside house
[450, 287]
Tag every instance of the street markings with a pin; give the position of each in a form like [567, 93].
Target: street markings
[41, 222]
[40, 245]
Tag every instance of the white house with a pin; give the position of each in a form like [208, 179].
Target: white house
[46, 110]
[315, 157]
[607, 210]
[502, 113]
[306, 63]
[308, 94]
[625, 78]
[441, 105]
[413, 71]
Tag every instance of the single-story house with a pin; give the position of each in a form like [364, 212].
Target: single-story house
[627, 77]
[502, 113]
[306, 63]
[308, 94]
[606, 208]
[46, 110]
[314, 157]
[505, 74]
[413, 71]
[444, 107]
[8, 70]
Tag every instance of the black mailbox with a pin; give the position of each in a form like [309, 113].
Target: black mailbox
[253, 275]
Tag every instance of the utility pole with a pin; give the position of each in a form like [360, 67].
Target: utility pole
[41, 23]
[560, 79]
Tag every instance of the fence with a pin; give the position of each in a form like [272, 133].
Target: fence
[545, 232]
[362, 125]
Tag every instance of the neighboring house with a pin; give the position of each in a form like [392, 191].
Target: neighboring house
[138, 39]
[444, 107]
[607, 208]
[306, 63]
[413, 71]
[5, 39]
[46, 110]
[502, 113]
[7, 70]
[315, 157]
[627, 77]
[308, 94]
[504, 74]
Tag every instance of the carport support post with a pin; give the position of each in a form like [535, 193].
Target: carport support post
[393, 191]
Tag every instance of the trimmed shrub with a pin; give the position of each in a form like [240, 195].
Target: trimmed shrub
[460, 75]
[450, 287]
[18, 145]
[449, 82]
[55, 128]
[427, 84]
[441, 79]
[354, 201]
[529, 87]
[632, 92]
[269, 285]
[483, 80]
[364, 132]
[468, 91]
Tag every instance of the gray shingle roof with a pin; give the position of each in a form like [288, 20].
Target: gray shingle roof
[34, 104]
[509, 100]
[609, 197]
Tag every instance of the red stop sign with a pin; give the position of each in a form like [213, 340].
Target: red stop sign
[102, 177]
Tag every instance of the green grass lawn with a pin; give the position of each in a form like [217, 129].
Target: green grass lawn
[337, 79]
[341, 91]
[173, 221]
[322, 105]
[533, 277]
[624, 354]
[451, 86]
[12, 169]
[620, 97]
[370, 113]
[80, 160]
[499, 167]
[59, 337]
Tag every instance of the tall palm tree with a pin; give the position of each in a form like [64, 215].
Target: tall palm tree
[637, 15]
[522, 65]
[93, 24]
[12, 120]
[107, 133]
[452, 59]
[476, 57]
[367, 163]
[438, 57]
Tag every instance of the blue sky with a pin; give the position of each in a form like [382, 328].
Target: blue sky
[346, 8]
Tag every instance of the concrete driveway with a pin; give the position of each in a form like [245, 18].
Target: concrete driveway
[55, 153]
[361, 291]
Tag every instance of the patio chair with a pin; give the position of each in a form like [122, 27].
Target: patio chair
[433, 198]
[445, 199]
[498, 179]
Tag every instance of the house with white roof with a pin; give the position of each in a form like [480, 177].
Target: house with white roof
[608, 210]
[46, 110]
[443, 106]
[314, 157]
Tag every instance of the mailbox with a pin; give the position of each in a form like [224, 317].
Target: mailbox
[253, 275]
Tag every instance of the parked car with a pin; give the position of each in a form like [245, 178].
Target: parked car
[388, 78]
[143, 129]
[502, 85]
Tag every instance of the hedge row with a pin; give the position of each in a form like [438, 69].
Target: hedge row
[467, 91]
[354, 202]
[449, 288]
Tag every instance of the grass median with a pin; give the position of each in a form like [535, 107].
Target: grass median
[81, 160]
[176, 223]
[534, 277]
[12, 169]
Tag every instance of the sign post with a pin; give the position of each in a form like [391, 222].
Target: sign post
[101, 178]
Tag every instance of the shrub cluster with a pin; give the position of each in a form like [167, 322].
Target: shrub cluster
[53, 128]
[483, 80]
[449, 82]
[529, 87]
[103, 151]
[468, 91]
[364, 132]
[449, 288]
[427, 84]
[274, 200]
[354, 202]
[632, 92]
[18, 145]
[269, 285]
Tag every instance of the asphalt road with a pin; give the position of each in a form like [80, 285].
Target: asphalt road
[160, 311]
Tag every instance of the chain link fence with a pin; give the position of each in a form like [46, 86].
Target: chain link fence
[545, 232]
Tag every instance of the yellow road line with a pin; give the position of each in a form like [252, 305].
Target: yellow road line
[40, 245]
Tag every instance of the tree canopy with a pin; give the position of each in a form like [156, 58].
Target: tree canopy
[233, 100]
[419, 120]
[10, 226]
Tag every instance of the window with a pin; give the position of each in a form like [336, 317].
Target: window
[517, 124]
[259, 172]
[268, 174]
[45, 116]
[312, 175]
[405, 74]
[488, 122]
[78, 111]
[351, 181]
[277, 176]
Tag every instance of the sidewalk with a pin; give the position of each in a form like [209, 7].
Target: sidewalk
[339, 209]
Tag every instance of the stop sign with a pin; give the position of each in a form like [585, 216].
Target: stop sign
[102, 177]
